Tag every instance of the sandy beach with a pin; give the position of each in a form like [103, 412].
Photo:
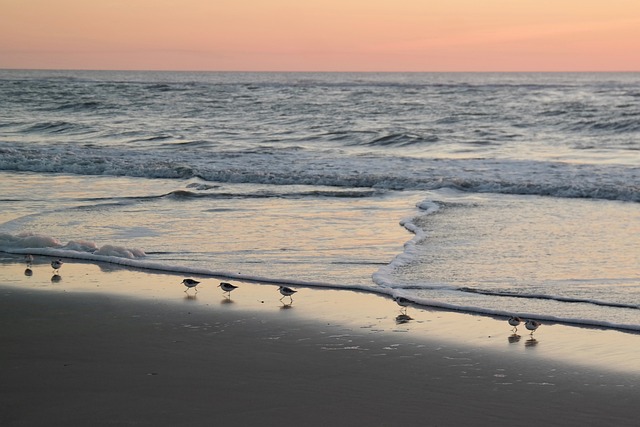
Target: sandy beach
[113, 346]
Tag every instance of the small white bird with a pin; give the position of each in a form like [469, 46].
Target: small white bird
[286, 292]
[190, 283]
[56, 265]
[402, 302]
[532, 325]
[227, 287]
[515, 322]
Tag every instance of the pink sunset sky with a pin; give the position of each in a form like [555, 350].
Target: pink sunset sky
[321, 35]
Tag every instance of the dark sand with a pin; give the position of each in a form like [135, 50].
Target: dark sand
[74, 358]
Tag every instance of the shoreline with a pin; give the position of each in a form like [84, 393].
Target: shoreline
[83, 351]
[107, 263]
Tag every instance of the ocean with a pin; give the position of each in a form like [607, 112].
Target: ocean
[494, 194]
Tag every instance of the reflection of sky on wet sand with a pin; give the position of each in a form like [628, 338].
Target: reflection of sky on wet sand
[358, 313]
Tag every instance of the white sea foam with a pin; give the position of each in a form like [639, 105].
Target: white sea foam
[35, 244]
[383, 276]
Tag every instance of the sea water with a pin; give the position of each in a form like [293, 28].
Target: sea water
[495, 193]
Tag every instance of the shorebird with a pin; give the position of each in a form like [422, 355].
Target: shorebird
[532, 325]
[56, 265]
[402, 302]
[286, 292]
[515, 322]
[190, 283]
[227, 287]
[28, 258]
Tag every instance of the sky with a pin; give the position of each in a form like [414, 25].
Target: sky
[321, 35]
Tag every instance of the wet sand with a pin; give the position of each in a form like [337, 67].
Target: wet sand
[111, 346]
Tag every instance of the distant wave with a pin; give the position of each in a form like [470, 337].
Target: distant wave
[161, 87]
[617, 125]
[197, 143]
[79, 106]
[162, 137]
[373, 139]
[400, 140]
[55, 127]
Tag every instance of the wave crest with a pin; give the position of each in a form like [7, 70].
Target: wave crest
[400, 140]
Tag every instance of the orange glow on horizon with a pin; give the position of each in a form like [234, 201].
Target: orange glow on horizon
[322, 35]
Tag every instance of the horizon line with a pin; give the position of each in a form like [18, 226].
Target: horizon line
[317, 71]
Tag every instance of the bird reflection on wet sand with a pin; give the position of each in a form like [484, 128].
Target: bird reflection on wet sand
[514, 338]
[56, 278]
[29, 260]
[190, 297]
[403, 318]
[531, 342]
[226, 300]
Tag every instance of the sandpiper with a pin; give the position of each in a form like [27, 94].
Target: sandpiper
[532, 325]
[402, 302]
[190, 283]
[515, 322]
[56, 265]
[286, 292]
[227, 287]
